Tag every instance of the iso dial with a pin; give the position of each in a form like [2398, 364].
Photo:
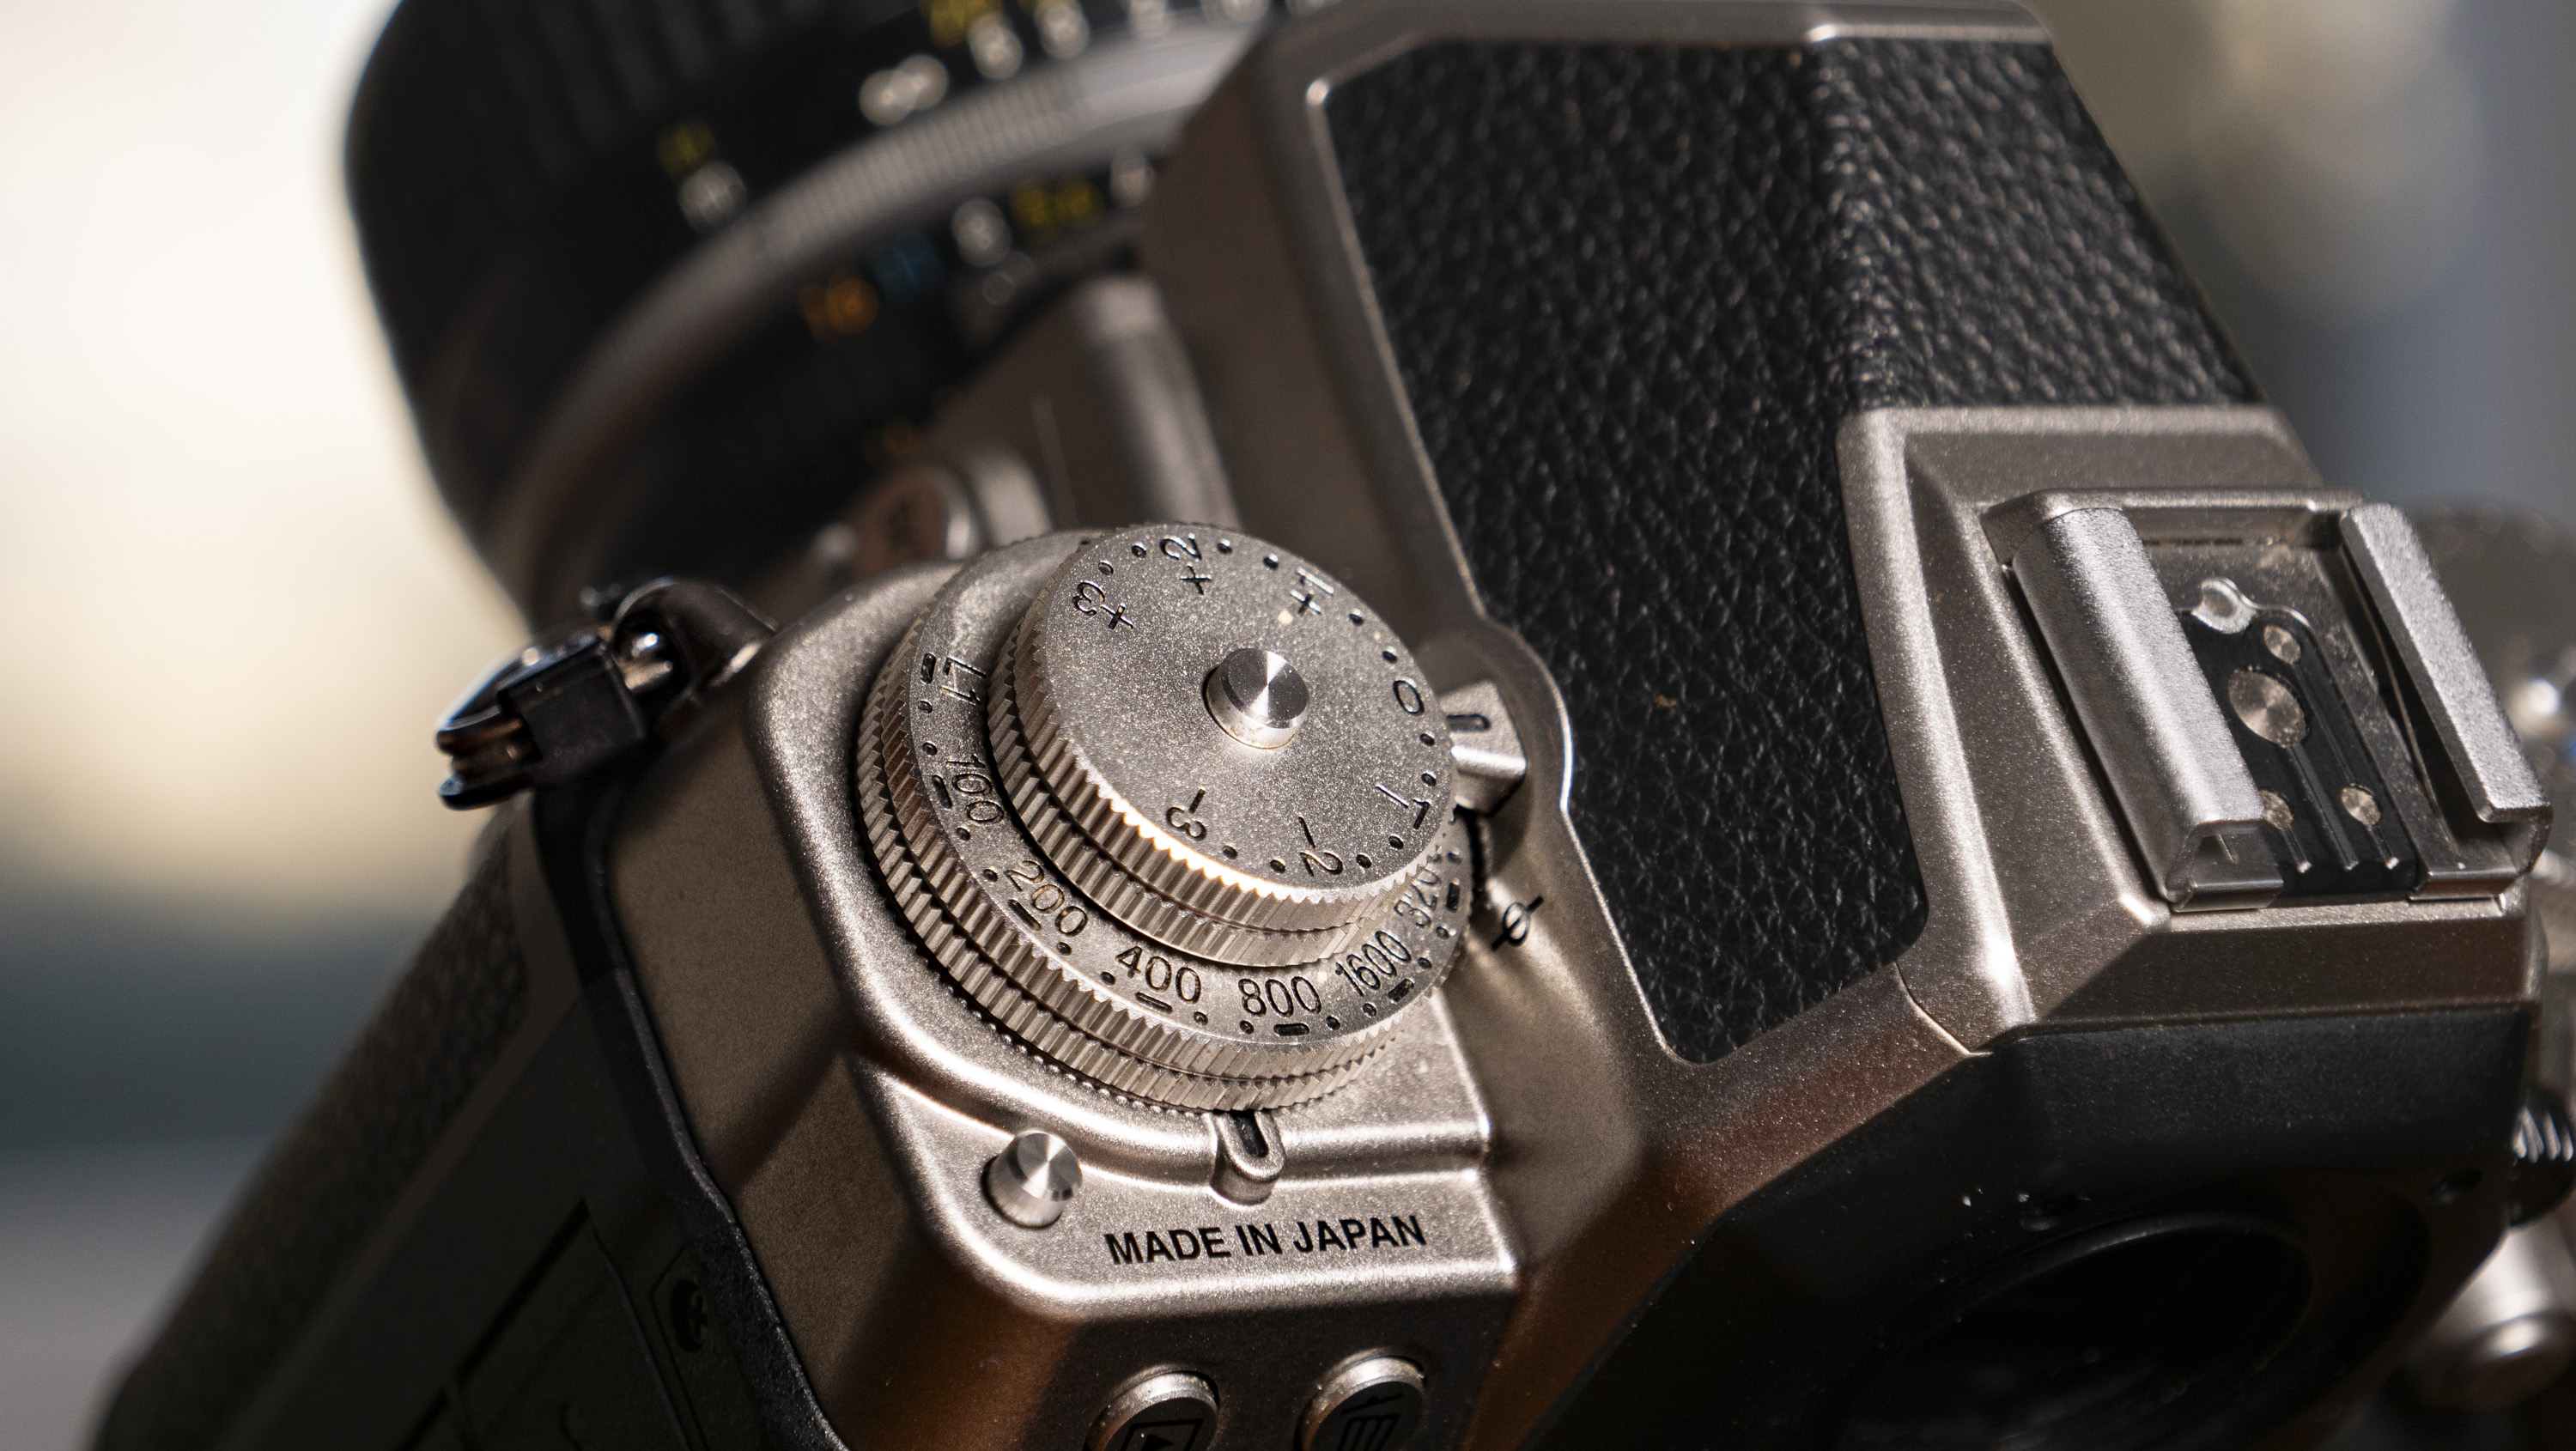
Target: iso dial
[1040, 923]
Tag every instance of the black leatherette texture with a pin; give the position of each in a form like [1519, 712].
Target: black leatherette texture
[329, 1182]
[1633, 292]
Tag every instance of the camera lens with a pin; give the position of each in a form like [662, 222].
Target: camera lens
[667, 283]
[2121, 1338]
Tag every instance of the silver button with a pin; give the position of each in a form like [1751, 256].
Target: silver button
[1371, 1404]
[1169, 1410]
[1258, 697]
[1033, 1179]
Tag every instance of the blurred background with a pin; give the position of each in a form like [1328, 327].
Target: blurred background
[235, 609]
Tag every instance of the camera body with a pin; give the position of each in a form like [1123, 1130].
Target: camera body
[1984, 902]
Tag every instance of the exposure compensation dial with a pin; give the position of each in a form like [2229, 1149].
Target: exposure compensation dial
[1173, 807]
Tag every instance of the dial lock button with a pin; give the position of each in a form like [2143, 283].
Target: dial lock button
[1258, 697]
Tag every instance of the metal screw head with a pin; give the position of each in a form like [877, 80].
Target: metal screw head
[1258, 697]
[1033, 1179]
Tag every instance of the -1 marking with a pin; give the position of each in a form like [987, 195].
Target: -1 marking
[1421, 808]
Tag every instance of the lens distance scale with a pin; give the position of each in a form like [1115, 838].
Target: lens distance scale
[1066, 895]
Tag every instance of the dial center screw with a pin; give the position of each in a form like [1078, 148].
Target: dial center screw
[1258, 697]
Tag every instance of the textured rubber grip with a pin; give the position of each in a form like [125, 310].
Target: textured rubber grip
[1633, 292]
[329, 1182]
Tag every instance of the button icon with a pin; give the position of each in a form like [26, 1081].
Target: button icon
[1167, 1410]
[1371, 1404]
[1166, 1436]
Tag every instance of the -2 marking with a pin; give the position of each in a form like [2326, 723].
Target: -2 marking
[1315, 856]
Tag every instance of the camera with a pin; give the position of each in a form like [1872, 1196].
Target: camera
[1536, 723]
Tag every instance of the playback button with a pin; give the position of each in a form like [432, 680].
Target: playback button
[1168, 1410]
